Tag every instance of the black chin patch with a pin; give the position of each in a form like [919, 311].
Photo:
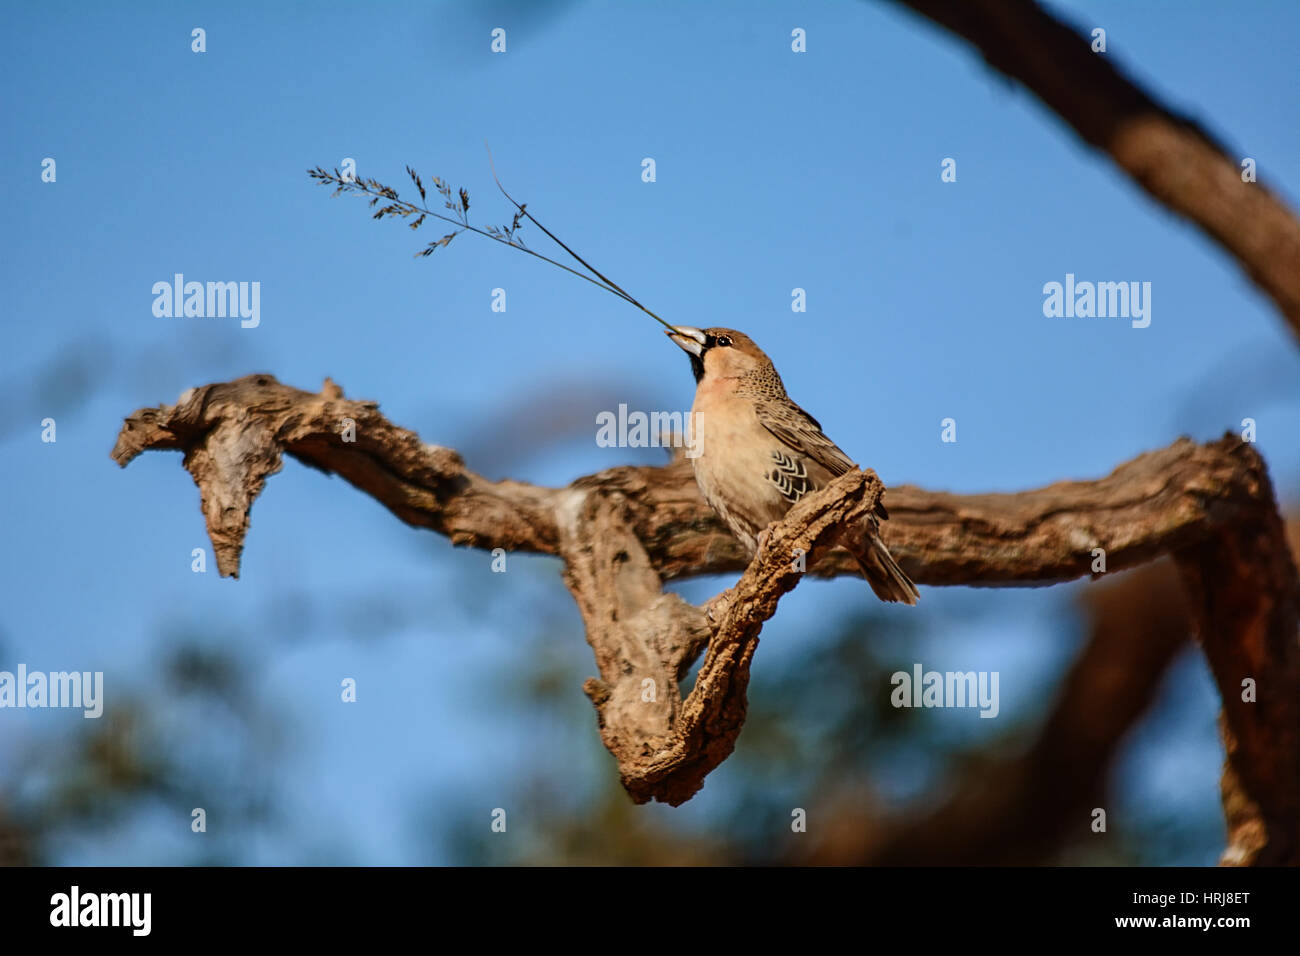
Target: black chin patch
[697, 367]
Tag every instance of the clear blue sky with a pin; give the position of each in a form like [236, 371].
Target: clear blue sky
[774, 171]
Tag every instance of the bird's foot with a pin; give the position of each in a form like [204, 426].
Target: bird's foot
[716, 606]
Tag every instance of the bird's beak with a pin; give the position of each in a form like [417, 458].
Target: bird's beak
[688, 339]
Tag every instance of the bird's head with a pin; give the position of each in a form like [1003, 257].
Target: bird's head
[720, 353]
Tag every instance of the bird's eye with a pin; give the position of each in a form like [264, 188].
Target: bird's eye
[724, 340]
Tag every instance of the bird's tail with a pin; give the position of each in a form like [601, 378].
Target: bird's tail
[882, 572]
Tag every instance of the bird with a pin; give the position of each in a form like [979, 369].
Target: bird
[756, 452]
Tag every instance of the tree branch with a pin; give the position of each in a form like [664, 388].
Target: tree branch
[623, 532]
[645, 640]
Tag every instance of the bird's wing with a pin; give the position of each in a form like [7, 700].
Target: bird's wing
[803, 435]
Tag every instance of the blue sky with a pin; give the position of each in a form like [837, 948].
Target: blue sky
[775, 170]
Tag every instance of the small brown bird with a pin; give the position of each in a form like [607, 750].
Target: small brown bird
[759, 452]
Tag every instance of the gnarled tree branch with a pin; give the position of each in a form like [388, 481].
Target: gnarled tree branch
[623, 532]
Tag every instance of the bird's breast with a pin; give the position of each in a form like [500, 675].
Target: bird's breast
[738, 464]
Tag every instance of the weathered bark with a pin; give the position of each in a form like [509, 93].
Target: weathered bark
[1243, 586]
[624, 531]
[1171, 157]
[645, 640]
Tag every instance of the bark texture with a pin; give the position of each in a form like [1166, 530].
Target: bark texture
[623, 532]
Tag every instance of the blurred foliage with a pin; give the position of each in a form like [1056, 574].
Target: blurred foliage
[195, 738]
[820, 735]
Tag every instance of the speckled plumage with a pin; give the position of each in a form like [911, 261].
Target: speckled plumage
[759, 452]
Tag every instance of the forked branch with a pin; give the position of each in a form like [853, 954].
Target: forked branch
[623, 532]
